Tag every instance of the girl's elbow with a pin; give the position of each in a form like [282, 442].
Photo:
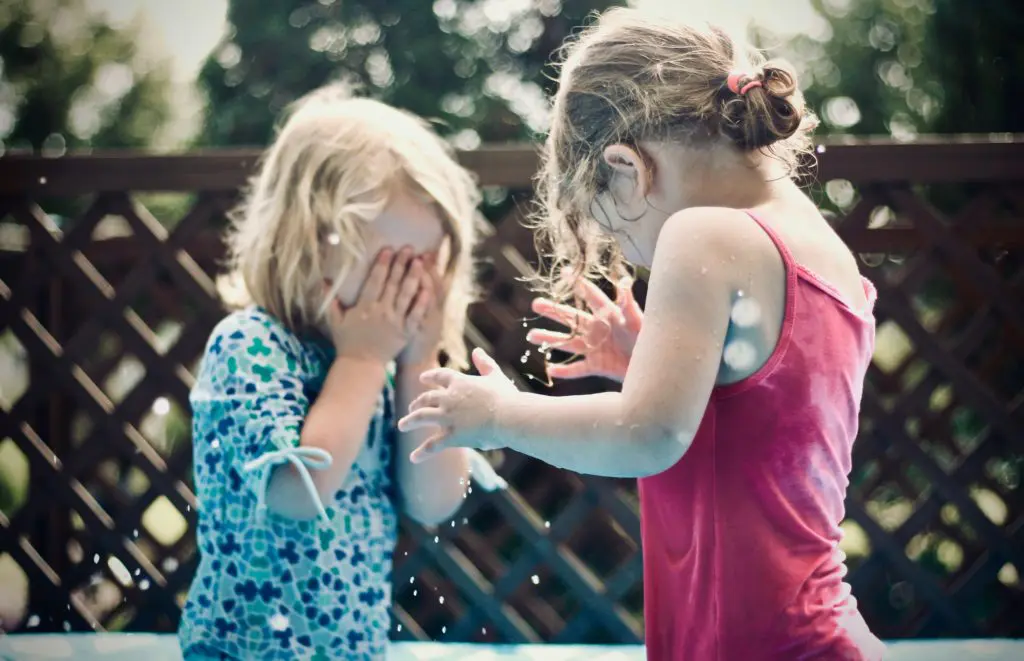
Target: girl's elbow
[663, 447]
[431, 514]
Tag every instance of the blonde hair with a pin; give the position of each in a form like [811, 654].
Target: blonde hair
[334, 166]
[627, 78]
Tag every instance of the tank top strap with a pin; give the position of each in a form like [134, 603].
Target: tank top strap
[787, 257]
[790, 264]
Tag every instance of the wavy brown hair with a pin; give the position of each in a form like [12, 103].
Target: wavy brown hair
[628, 78]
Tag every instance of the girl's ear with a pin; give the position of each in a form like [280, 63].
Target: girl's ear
[631, 168]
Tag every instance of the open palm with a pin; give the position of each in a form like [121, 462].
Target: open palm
[603, 337]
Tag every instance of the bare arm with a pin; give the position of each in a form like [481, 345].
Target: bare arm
[366, 337]
[433, 491]
[647, 427]
[337, 422]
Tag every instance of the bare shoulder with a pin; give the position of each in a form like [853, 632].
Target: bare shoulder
[708, 238]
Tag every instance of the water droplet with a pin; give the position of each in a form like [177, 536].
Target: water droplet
[67, 625]
[483, 630]
[214, 444]
[170, 564]
[739, 293]
[524, 324]
[135, 533]
[33, 621]
[415, 592]
[523, 359]
[547, 524]
[465, 520]
[278, 622]
[436, 539]
[333, 238]
[96, 559]
[42, 180]
[188, 508]
[138, 571]
[469, 489]
[526, 353]
[745, 312]
[453, 523]
[739, 355]
[412, 579]
[440, 600]
[398, 628]
[144, 584]
[405, 553]
[535, 579]
[820, 149]
[444, 629]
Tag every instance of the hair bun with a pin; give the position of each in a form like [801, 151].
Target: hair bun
[764, 114]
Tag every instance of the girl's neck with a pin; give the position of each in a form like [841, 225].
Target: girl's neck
[744, 182]
[717, 176]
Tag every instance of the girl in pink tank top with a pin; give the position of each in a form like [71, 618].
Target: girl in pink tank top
[670, 149]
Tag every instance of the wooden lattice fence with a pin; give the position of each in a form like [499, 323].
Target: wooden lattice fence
[109, 286]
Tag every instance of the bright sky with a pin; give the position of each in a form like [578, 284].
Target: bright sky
[187, 29]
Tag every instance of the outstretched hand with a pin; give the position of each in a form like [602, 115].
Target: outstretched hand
[603, 338]
[463, 408]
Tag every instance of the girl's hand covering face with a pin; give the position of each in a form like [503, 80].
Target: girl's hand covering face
[391, 308]
[425, 342]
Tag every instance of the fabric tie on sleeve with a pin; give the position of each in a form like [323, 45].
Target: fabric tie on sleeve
[303, 458]
[483, 473]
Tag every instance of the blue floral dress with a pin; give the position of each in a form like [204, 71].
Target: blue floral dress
[269, 587]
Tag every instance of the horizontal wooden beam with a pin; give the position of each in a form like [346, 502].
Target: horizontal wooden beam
[932, 159]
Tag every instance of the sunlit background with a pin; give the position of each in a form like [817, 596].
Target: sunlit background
[181, 75]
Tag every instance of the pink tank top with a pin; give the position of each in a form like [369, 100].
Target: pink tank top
[740, 537]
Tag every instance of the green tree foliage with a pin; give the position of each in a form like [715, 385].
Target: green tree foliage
[904, 67]
[68, 80]
[478, 67]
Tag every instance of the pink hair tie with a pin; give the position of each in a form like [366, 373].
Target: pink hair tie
[734, 79]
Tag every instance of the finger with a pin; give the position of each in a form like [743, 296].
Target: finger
[410, 285]
[399, 265]
[484, 363]
[592, 295]
[374, 284]
[437, 283]
[578, 370]
[423, 418]
[555, 340]
[334, 313]
[627, 303]
[418, 312]
[563, 314]
[429, 399]
[440, 377]
[429, 448]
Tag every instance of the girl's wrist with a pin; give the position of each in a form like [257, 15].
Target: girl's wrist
[416, 365]
[413, 357]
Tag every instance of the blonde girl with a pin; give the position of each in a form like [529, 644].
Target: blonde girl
[355, 245]
[672, 146]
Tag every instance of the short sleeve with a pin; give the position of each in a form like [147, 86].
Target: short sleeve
[249, 403]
